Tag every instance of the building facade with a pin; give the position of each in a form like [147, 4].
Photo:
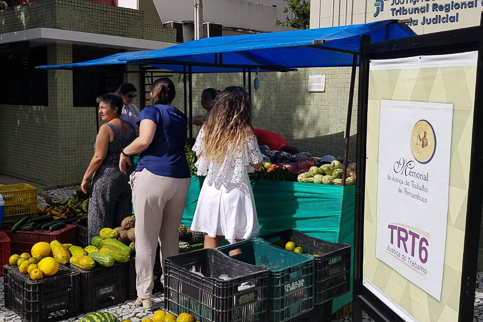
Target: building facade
[427, 16]
[48, 118]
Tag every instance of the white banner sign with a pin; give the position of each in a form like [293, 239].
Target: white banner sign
[413, 182]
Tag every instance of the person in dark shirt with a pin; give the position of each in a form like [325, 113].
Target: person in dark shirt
[159, 184]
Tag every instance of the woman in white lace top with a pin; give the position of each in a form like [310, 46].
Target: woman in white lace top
[227, 151]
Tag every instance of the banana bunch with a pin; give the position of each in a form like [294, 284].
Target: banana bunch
[76, 206]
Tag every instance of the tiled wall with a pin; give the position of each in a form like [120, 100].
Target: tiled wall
[89, 17]
[53, 144]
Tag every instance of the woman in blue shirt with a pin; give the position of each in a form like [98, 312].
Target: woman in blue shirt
[159, 185]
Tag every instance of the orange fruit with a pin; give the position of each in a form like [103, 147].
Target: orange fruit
[290, 246]
[49, 266]
[23, 268]
[185, 317]
[298, 250]
[36, 274]
[41, 249]
[31, 267]
[170, 317]
[159, 316]
[13, 259]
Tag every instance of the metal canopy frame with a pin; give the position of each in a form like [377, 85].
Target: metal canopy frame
[462, 40]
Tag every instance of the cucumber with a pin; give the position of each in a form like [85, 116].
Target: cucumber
[40, 219]
[37, 226]
[22, 221]
[48, 224]
[57, 226]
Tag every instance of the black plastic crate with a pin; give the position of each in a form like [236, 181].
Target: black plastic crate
[102, 286]
[320, 313]
[158, 287]
[213, 287]
[53, 298]
[332, 265]
[82, 236]
[291, 283]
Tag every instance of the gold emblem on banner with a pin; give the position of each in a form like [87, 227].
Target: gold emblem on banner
[423, 141]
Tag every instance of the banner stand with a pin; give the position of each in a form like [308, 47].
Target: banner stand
[396, 297]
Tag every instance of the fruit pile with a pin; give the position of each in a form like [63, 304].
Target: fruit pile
[159, 316]
[290, 246]
[73, 207]
[329, 174]
[37, 264]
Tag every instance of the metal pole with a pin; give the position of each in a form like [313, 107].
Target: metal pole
[349, 117]
[244, 77]
[198, 19]
[185, 92]
[190, 72]
[95, 95]
[360, 183]
[250, 83]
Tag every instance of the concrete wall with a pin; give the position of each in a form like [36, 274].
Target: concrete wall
[428, 16]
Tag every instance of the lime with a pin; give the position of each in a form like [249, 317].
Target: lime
[13, 259]
[33, 260]
[36, 274]
[23, 268]
[31, 267]
[290, 246]
[298, 250]
[20, 261]
[25, 255]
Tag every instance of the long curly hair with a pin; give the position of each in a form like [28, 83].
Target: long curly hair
[228, 125]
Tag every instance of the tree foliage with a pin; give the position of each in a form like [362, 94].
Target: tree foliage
[301, 11]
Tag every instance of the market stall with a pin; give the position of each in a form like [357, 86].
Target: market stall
[324, 211]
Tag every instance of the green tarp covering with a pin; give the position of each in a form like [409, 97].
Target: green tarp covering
[321, 211]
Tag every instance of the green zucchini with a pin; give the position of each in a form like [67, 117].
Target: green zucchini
[57, 226]
[22, 221]
[48, 224]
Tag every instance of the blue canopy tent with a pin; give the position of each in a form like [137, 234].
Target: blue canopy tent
[277, 51]
[324, 47]
[286, 50]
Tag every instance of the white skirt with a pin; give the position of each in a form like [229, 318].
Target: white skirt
[230, 214]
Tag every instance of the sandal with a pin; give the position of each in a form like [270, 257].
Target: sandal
[146, 303]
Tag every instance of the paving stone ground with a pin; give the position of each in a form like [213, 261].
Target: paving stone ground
[127, 310]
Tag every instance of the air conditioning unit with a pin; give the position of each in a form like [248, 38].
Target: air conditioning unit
[179, 29]
[211, 29]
